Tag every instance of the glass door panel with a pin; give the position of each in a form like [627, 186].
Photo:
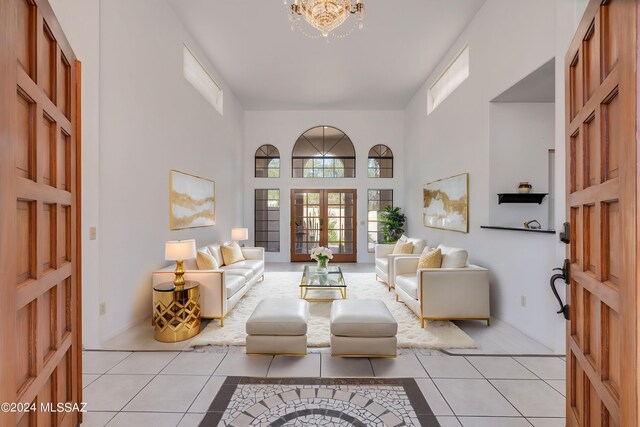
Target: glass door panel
[323, 218]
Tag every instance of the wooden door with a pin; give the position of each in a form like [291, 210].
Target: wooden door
[324, 218]
[602, 199]
[39, 216]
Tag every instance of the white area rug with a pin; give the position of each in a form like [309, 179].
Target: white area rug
[435, 335]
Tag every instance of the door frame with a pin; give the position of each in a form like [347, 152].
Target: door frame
[323, 234]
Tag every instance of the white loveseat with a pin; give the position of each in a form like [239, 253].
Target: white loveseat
[384, 259]
[220, 290]
[443, 293]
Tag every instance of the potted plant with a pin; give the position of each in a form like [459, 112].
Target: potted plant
[392, 223]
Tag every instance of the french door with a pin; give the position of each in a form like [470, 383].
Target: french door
[324, 218]
[40, 344]
[602, 207]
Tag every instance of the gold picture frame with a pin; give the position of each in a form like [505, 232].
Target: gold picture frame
[445, 203]
[192, 201]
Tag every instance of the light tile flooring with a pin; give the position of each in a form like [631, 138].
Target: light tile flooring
[176, 388]
[164, 385]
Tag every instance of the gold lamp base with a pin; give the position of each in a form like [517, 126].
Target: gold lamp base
[178, 280]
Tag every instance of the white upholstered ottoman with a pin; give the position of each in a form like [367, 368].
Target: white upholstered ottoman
[363, 328]
[278, 326]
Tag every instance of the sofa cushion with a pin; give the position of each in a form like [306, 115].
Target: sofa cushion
[430, 259]
[418, 245]
[206, 261]
[231, 253]
[244, 272]
[362, 318]
[453, 257]
[190, 264]
[403, 248]
[279, 316]
[233, 284]
[409, 284]
[215, 251]
[254, 265]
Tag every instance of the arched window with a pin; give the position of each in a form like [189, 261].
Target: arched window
[324, 152]
[380, 162]
[267, 162]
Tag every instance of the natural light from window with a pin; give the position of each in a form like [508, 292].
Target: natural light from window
[198, 76]
[452, 77]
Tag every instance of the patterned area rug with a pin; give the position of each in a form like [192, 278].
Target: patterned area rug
[277, 402]
[436, 335]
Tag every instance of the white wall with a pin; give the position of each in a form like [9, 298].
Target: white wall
[80, 20]
[508, 40]
[152, 120]
[282, 129]
[520, 137]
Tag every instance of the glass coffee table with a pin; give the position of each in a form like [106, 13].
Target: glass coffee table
[333, 280]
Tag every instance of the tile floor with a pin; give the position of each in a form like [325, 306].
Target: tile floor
[176, 388]
[146, 382]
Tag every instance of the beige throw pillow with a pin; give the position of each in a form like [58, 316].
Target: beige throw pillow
[206, 261]
[231, 253]
[403, 248]
[430, 259]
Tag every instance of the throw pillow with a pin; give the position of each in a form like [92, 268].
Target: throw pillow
[206, 261]
[231, 253]
[453, 257]
[403, 248]
[403, 238]
[430, 259]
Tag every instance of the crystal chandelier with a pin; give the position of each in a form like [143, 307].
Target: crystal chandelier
[325, 15]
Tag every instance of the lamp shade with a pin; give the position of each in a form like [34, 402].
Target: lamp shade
[179, 250]
[239, 234]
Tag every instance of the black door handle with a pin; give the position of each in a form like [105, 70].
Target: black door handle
[566, 277]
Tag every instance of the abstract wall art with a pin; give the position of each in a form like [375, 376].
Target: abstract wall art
[193, 201]
[446, 203]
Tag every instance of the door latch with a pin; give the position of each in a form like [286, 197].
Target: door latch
[565, 234]
[565, 275]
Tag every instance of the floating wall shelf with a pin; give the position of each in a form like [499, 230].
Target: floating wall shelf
[530, 230]
[521, 197]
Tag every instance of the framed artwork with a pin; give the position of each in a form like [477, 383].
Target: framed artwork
[192, 201]
[446, 203]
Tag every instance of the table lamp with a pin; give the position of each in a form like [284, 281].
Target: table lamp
[239, 234]
[178, 251]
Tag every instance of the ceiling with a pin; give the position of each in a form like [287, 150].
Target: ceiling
[269, 67]
[539, 86]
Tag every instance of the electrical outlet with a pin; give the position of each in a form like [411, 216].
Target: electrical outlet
[103, 308]
[523, 300]
[93, 233]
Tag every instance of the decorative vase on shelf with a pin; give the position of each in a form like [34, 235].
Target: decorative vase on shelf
[524, 188]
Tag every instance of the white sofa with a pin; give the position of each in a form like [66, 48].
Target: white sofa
[220, 290]
[443, 293]
[384, 259]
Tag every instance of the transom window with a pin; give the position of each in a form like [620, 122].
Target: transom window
[324, 152]
[380, 162]
[267, 162]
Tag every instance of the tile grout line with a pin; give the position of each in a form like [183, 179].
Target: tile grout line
[205, 384]
[438, 389]
[496, 388]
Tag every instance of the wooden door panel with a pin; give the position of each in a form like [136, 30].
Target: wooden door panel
[601, 203]
[39, 214]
